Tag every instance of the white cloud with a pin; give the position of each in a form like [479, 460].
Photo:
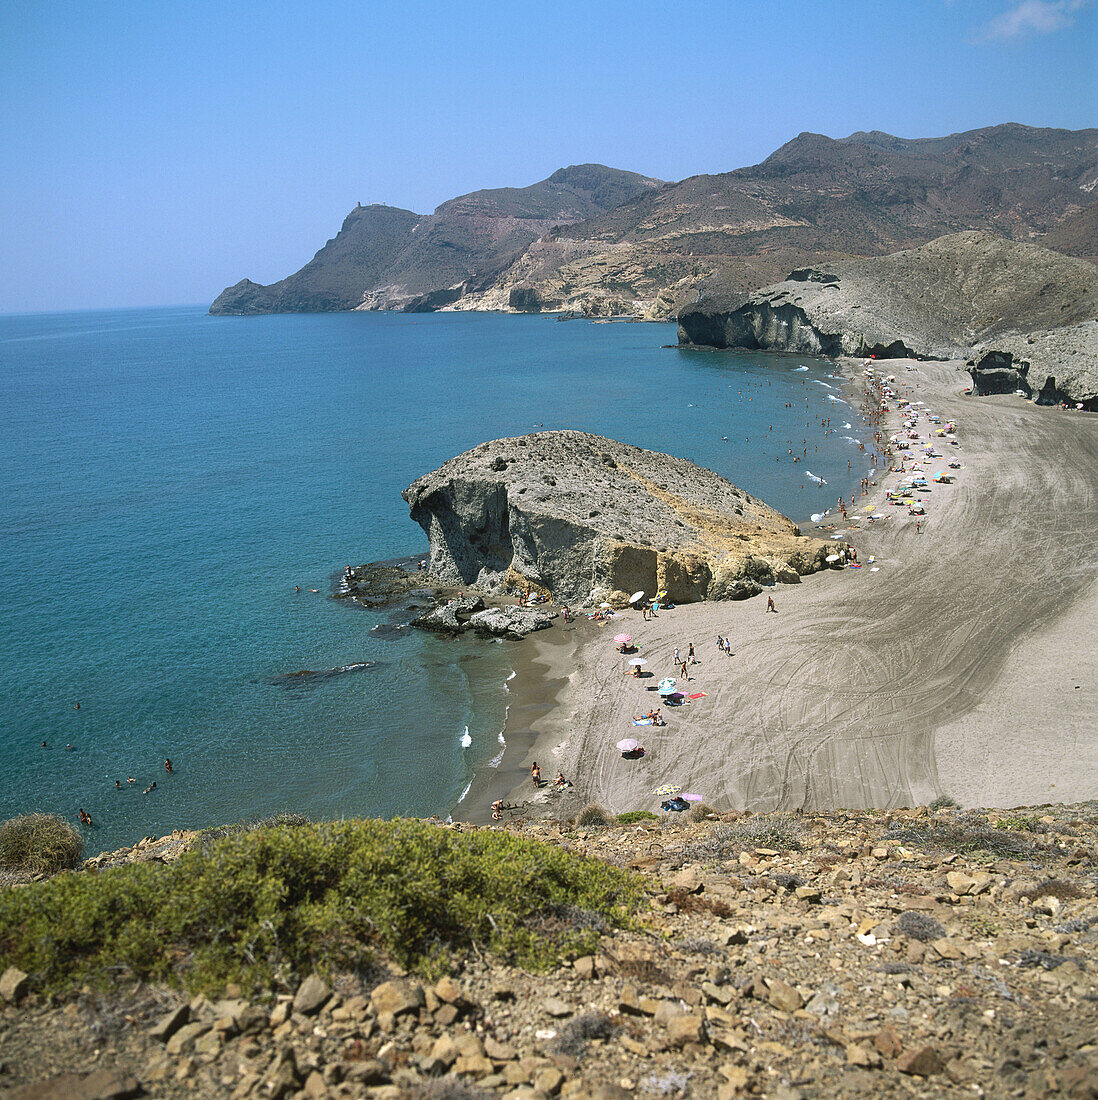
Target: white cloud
[1031, 17]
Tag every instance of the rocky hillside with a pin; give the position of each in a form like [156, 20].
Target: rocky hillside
[961, 292]
[924, 952]
[603, 241]
[386, 258]
[587, 518]
[814, 200]
[1051, 367]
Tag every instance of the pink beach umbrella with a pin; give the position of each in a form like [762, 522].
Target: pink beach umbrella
[628, 744]
[691, 797]
[623, 638]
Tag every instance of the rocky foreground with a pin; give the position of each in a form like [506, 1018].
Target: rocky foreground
[911, 953]
[583, 518]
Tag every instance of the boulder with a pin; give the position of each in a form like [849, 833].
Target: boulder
[509, 622]
[13, 984]
[579, 515]
[311, 995]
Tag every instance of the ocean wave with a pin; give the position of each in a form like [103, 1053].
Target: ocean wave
[466, 739]
[851, 439]
[466, 791]
[832, 397]
[824, 384]
[801, 368]
[818, 480]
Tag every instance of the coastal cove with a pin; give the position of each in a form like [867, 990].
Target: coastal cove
[960, 659]
[171, 478]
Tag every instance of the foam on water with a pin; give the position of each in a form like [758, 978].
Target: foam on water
[466, 739]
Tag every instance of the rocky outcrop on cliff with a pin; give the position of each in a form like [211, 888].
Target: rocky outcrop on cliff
[387, 258]
[937, 301]
[587, 518]
[1050, 367]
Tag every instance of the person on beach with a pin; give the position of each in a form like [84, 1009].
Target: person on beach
[535, 774]
[720, 644]
[677, 659]
[770, 606]
[690, 655]
[497, 809]
[683, 671]
[560, 782]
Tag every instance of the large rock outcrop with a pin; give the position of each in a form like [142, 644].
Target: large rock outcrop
[1060, 365]
[585, 517]
[937, 301]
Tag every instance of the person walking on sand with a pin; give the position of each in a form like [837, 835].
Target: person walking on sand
[677, 659]
[770, 605]
[720, 644]
[535, 774]
[683, 671]
[690, 655]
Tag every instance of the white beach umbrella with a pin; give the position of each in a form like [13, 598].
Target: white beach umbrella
[636, 597]
[638, 661]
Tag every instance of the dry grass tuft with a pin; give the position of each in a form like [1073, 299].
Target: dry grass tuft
[39, 844]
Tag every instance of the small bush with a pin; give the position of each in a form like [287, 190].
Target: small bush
[779, 831]
[965, 833]
[446, 1088]
[265, 905]
[1053, 887]
[593, 814]
[944, 802]
[636, 815]
[699, 945]
[39, 844]
[919, 926]
[700, 812]
[574, 1036]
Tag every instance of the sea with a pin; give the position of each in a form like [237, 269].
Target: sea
[171, 478]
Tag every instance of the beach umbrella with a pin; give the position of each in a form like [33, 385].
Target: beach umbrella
[667, 686]
[628, 744]
[668, 790]
[692, 798]
[832, 557]
[638, 661]
[636, 597]
[624, 638]
[817, 516]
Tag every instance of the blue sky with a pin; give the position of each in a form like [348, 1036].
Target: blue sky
[154, 153]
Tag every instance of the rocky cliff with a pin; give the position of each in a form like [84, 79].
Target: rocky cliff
[387, 258]
[587, 518]
[1060, 365]
[942, 300]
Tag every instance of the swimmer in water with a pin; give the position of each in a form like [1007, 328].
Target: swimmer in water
[168, 766]
[150, 787]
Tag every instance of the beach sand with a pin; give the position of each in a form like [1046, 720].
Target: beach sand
[965, 665]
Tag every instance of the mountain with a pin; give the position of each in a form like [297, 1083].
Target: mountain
[814, 200]
[385, 258]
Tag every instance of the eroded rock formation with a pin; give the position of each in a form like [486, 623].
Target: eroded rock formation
[588, 518]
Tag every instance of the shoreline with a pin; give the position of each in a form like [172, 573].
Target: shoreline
[875, 688]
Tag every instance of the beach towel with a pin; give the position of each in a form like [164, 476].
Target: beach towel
[642, 721]
[698, 695]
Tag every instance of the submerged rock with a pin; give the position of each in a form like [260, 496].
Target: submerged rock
[587, 518]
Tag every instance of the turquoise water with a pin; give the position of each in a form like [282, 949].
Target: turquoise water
[169, 477]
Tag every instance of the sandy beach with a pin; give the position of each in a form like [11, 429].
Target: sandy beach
[966, 664]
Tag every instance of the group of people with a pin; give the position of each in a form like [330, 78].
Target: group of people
[535, 774]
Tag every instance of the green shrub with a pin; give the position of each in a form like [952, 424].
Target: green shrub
[944, 802]
[283, 901]
[593, 814]
[39, 844]
[636, 815]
